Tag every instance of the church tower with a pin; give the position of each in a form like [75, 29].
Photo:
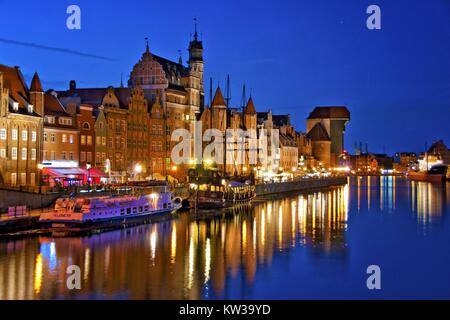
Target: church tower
[37, 94]
[196, 85]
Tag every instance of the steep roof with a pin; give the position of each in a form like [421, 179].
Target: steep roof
[36, 85]
[250, 108]
[281, 120]
[330, 113]
[53, 106]
[218, 98]
[94, 96]
[14, 81]
[318, 133]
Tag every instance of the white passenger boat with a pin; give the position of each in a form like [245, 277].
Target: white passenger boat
[82, 214]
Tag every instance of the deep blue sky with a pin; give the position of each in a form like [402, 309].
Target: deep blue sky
[293, 54]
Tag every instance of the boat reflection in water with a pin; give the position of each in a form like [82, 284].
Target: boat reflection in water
[300, 246]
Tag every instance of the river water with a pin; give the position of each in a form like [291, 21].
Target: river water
[307, 246]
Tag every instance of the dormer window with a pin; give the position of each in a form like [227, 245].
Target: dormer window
[30, 108]
[15, 106]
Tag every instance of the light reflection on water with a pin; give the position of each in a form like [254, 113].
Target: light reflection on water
[211, 256]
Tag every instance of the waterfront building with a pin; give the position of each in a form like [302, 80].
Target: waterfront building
[440, 149]
[88, 140]
[326, 125]
[101, 136]
[21, 128]
[60, 142]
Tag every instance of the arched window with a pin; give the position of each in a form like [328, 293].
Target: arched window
[86, 126]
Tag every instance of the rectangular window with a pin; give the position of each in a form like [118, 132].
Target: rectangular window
[14, 153]
[14, 134]
[24, 135]
[103, 156]
[52, 138]
[32, 178]
[2, 153]
[63, 155]
[98, 157]
[98, 140]
[83, 156]
[33, 154]
[104, 141]
[45, 155]
[14, 178]
[33, 136]
[3, 134]
[89, 140]
[83, 139]
[111, 142]
[53, 155]
[89, 157]
[70, 155]
[45, 137]
[23, 179]
[71, 139]
[64, 138]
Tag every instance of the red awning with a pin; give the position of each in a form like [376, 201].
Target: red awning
[96, 173]
[63, 172]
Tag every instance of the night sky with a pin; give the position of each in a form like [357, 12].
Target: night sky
[293, 55]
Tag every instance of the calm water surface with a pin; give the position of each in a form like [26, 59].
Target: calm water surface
[298, 247]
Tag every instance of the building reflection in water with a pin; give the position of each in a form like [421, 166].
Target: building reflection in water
[186, 257]
[425, 200]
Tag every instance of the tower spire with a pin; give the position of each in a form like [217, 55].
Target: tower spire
[146, 45]
[180, 59]
[195, 33]
[121, 79]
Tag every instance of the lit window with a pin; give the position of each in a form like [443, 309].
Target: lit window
[52, 138]
[2, 153]
[89, 140]
[83, 139]
[30, 108]
[45, 137]
[24, 153]
[71, 139]
[14, 134]
[33, 154]
[14, 153]
[3, 134]
[64, 138]
[33, 136]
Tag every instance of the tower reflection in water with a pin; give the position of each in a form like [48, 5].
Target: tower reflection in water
[190, 256]
[426, 201]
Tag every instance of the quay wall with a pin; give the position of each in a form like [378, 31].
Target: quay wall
[299, 185]
[12, 198]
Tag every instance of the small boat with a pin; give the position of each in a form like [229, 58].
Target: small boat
[73, 215]
[437, 174]
[209, 190]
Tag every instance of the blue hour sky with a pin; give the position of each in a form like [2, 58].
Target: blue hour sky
[292, 55]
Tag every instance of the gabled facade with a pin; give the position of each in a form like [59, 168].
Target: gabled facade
[21, 128]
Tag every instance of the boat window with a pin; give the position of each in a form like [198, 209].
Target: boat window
[140, 209]
[128, 210]
[134, 210]
[165, 205]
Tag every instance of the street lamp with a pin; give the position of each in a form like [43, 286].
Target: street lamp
[137, 169]
[88, 167]
[40, 167]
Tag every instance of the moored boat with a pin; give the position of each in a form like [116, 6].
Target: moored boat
[209, 190]
[437, 174]
[86, 214]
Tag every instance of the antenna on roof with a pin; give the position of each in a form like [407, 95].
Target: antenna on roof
[228, 97]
